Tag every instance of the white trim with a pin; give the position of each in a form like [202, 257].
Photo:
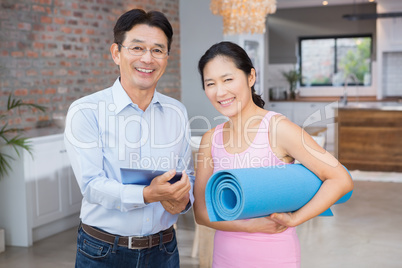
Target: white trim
[376, 176]
[2, 241]
[261, 55]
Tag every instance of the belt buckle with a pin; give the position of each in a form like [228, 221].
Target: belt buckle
[130, 242]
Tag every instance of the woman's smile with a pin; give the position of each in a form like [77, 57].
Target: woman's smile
[227, 102]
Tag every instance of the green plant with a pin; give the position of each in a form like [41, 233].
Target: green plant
[13, 137]
[357, 61]
[292, 76]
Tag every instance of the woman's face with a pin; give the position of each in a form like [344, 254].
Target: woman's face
[227, 87]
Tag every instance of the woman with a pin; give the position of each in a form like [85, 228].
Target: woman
[254, 137]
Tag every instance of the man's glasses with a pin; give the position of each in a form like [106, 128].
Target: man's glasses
[136, 50]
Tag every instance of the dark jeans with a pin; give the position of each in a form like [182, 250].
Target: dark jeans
[92, 253]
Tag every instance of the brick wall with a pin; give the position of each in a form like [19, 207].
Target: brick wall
[55, 51]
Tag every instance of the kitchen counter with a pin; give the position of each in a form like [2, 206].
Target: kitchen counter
[361, 99]
[385, 106]
[42, 132]
[369, 137]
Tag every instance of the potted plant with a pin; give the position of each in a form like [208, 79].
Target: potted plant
[13, 137]
[10, 136]
[292, 76]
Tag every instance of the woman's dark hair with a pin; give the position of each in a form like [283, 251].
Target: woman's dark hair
[138, 16]
[240, 58]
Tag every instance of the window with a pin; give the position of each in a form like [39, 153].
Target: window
[329, 61]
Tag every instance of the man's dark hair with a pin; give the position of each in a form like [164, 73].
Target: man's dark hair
[138, 16]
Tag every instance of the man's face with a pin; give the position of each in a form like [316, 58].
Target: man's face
[141, 72]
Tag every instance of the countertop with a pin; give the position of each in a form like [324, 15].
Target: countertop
[334, 98]
[383, 106]
[42, 132]
[365, 102]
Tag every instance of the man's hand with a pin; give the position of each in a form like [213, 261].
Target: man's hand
[176, 207]
[174, 197]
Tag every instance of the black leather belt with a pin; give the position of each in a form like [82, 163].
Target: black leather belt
[132, 242]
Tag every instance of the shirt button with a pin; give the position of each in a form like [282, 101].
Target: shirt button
[147, 219]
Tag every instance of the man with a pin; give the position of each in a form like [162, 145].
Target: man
[131, 125]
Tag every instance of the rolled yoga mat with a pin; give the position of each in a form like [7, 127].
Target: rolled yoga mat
[235, 194]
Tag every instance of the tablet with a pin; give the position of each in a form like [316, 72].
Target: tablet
[143, 176]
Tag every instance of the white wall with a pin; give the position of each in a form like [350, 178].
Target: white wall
[258, 56]
[389, 41]
[200, 29]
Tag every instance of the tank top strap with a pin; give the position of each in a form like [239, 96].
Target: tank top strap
[269, 115]
[262, 134]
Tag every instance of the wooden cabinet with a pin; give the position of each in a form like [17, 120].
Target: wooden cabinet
[41, 193]
[369, 139]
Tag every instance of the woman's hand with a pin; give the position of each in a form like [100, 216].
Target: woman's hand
[287, 219]
[264, 225]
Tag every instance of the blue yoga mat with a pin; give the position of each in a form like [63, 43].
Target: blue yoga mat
[235, 194]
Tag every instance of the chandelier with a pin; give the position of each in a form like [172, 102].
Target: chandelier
[243, 16]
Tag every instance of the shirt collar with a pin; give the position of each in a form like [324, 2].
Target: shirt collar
[122, 100]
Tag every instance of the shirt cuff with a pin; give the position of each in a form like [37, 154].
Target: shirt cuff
[132, 197]
[187, 207]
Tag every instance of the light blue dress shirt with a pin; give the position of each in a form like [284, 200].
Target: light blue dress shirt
[106, 131]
